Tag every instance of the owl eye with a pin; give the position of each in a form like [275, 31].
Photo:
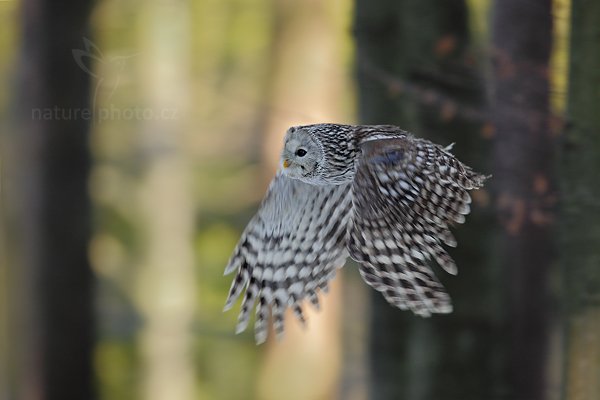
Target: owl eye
[300, 152]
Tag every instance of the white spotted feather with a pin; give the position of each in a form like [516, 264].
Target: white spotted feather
[288, 251]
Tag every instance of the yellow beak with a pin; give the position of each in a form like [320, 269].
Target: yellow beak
[286, 163]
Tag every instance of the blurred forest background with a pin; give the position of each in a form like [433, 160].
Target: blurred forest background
[138, 137]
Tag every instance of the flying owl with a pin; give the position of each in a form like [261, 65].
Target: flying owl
[374, 193]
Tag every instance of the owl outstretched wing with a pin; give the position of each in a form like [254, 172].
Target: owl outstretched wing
[407, 192]
[289, 250]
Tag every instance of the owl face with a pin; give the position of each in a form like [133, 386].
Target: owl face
[301, 154]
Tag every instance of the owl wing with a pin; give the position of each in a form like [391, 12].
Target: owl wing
[290, 248]
[406, 194]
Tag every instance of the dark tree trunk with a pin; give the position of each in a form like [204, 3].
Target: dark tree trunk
[580, 189]
[524, 183]
[416, 70]
[49, 170]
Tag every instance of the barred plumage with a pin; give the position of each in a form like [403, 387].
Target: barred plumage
[375, 193]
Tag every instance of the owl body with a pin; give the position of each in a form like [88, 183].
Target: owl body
[372, 192]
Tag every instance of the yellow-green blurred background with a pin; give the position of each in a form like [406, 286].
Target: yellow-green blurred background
[189, 102]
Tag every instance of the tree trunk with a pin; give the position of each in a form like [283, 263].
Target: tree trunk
[305, 88]
[165, 283]
[524, 183]
[415, 69]
[48, 166]
[580, 190]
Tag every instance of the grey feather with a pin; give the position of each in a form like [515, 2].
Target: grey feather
[288, 250]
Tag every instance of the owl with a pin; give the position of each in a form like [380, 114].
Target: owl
[372, 192]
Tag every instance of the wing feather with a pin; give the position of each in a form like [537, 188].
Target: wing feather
[289, 251]
[407, 192]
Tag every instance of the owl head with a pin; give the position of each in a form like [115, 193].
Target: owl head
[302, 154]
